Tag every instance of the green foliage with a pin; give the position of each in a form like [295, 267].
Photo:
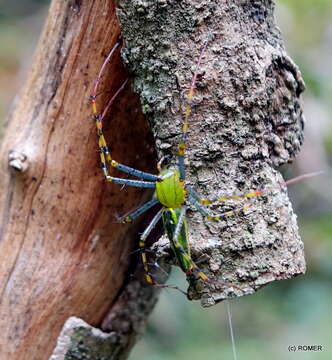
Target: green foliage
[309, 19]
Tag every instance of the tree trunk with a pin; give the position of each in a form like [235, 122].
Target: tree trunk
[61, 251]
[247, 121]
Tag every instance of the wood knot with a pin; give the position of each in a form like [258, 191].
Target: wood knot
[18, 161]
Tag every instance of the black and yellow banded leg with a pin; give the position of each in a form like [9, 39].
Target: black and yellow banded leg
[105, 155]
[226, 214]
[182, 169]
[192, 268]
[142, 240]
[148, 276]
[193, 193]
[139, 211]
[217, 217]
[106, 158]
[128, 182]
[133, 172]
[255, 193]
[203, 201]
[248, 195]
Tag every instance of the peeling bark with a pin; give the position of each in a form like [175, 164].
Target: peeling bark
[247, 121]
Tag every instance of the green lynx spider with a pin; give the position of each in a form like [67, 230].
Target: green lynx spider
[171, 190]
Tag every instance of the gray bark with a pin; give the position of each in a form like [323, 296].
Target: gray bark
[248, 120]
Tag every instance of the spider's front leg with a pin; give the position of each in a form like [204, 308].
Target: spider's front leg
[104, 150]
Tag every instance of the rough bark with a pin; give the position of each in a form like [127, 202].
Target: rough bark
[247, 121]
[61, 252]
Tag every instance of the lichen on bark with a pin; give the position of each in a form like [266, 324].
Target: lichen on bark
[246, 121]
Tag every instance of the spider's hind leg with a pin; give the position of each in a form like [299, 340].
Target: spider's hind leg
[149, 277]
[195, 200]
[181, 248]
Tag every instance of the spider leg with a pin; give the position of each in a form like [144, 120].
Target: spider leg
[178, 227]
[140, 210]
[182, 169]
[193, 192]
[197, 205]
[137, 173]
[226, 214]
[248, 195]
[105, 155]
[251, 194]
[183, 255]
[218, 217]
[187, 112]
[148, 276]
[135, 183]
[201, 201]
[142, 240]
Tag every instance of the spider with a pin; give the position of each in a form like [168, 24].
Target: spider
[171, 190]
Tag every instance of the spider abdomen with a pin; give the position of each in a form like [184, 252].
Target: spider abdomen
[170, 191]
[181, 245]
